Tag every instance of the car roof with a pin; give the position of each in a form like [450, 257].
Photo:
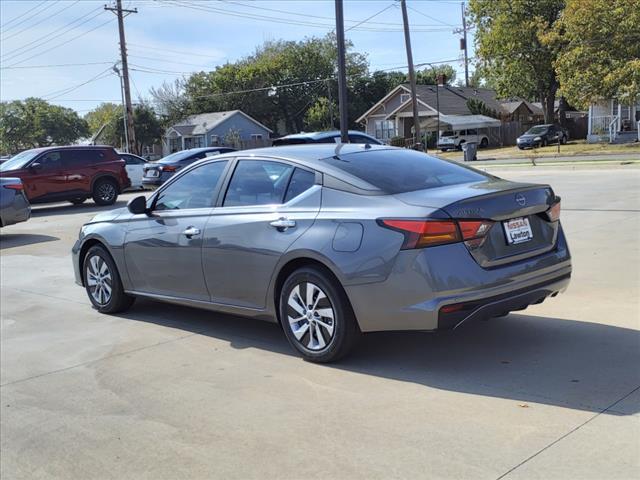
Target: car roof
[321, 135]
[66, 147]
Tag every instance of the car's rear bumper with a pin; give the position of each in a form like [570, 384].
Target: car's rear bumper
[424, 281]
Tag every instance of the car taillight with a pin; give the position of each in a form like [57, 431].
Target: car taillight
[168, 168]
[14, 186]
[424, 233]
[554, 212]
[428, 233]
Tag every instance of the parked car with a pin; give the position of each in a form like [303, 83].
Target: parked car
[325, 137]
[541, 136]
[331, 244]
[73, 173]
[454, 139]
[14, 206]
[135, 168]
[156, 173]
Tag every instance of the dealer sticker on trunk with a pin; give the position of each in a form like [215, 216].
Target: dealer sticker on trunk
[518, 230]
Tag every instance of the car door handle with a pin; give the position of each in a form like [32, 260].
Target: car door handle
[191, 231]
[283, 223]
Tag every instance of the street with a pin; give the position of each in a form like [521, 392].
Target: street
[164, 391]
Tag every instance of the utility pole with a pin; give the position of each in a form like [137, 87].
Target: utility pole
[121, 13]
[342, 74]
[412, 74]
[124, 115]
[464, 45]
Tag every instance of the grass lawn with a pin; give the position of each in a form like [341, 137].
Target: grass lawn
[577, 147]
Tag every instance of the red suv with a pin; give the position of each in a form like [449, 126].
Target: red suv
[73, 173]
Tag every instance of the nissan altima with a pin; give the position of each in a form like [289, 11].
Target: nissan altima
[331, 241]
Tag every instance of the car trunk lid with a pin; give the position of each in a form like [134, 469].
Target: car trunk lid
[520, 228]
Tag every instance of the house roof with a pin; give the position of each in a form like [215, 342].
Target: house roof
[512, 106]
[202, 123]
[452, 100]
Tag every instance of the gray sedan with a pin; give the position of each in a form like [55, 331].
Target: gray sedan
[331, 241]
[14, 206]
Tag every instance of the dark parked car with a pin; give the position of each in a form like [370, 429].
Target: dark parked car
[541, 136]
[331, 243]
[325, 137]
[14, 206]
[156, 173]
[73, 173]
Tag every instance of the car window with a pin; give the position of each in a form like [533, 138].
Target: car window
[51, 160]
[398, 171]
[301, 181]
[472, 131]
[258, 182]
[358, 139]
[132, 160]
[194, 189]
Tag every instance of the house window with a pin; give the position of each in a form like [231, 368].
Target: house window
[198, 142]
[385, 129]
[256, 136]
[175, 145]
[215, 141]
[404, 97]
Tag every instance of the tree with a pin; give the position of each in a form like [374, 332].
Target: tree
[429, 76]
[276, 85]
[107, 115]
[601, 56]
[171, 102]
[148, 127]
[478, 107]
[517, 48]
[36, 123]
[321, 115]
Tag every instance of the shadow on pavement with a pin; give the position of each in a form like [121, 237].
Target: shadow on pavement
[525, 358]
[11, 240]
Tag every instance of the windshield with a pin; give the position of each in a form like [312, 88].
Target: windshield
[19, 160]
[177, 156]
[536, 130]
[448, 133]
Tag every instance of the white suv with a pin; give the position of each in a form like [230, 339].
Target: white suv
[451, 140]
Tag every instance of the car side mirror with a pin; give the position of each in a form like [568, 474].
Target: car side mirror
[35, 166]
[138, 205]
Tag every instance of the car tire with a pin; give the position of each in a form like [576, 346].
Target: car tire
[330, 330]
[102, 282]
[78, 201]
[105, 192]
[484, 143]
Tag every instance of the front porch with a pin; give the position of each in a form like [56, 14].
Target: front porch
[610, 121]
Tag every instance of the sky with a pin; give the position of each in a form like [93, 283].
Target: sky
[64, 50]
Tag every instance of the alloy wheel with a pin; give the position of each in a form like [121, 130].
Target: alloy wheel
[106, 192]
[311, 316]
[99, 279]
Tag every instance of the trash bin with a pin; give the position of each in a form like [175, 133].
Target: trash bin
[470, 150]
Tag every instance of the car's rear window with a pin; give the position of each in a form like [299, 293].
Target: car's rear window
[399, 171]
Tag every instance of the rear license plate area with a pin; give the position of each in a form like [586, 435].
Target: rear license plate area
[152, 173]
[517, 230]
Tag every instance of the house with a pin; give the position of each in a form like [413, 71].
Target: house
[614, 122]
[233, 128]
[442, 105]
[522, 111]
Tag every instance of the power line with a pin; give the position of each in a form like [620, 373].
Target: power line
[4, 25]
[369, 18]
[48, 38]
[164, 60]
[63, 43]
[306, 15]
[57, 65]
[63, 91]
[48, 6]
[47, 18]
[280, 20]
[182, 52]
[430, 17]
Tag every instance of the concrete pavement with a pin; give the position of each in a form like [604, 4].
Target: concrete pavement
[171, 392]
